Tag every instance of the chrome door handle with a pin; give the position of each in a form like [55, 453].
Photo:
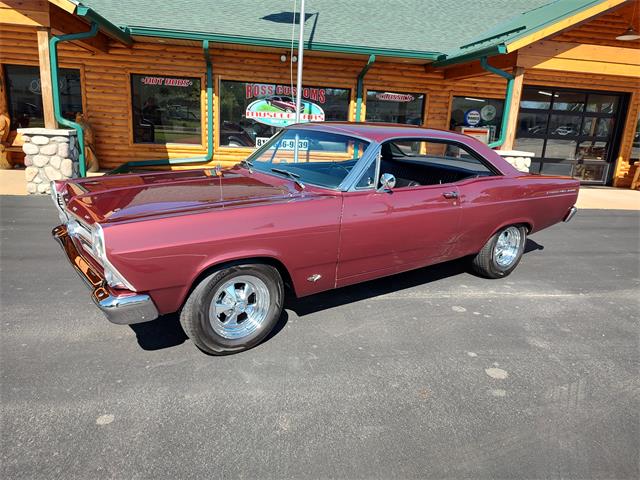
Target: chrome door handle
[450, 194]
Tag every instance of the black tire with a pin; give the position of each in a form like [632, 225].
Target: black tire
[195, 318]
[486, 263]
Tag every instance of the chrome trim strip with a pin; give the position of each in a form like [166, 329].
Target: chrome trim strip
[125, 310]
[570, 214]
[120, 309]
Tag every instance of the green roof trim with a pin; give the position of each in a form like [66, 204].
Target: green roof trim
[515, 28]
[277, 43]
[104, 24]
[489, 51]
[431, 30]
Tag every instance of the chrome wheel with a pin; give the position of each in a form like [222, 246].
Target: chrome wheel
[505, 253]
[239, 307]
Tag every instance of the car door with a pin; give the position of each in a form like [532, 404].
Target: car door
[386, 232]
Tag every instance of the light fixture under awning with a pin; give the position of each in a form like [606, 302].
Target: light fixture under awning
[629, 35]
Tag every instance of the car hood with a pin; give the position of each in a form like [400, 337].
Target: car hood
[125, 197]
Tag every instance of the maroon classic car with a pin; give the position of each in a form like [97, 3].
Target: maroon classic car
[319, 206]
[284, 103]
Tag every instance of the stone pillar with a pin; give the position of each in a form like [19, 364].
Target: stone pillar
[50, 154]
[520, 160]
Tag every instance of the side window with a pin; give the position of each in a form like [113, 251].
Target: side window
[418, 162]
[368, 179]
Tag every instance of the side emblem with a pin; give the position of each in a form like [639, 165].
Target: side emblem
[314, 278]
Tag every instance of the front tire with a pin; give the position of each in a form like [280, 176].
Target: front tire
[234, 308]
[502, 253]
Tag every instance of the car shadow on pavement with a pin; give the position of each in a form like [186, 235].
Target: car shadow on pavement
[401, 281]
[163, 332]
[166, 331]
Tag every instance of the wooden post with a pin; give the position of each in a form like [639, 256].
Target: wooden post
[512, 125]
[44, 34]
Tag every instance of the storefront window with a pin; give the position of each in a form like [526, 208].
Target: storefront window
[635, 148]
[570, 132]
[166, 109]
[25, 95]
[392, 107]
[251, 113]
[476, 115]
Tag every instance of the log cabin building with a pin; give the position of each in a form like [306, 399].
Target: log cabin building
[197, 83]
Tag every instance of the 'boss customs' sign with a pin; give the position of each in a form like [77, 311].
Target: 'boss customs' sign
[277, 108]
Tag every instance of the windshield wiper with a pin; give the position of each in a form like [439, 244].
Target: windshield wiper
[247, 164]
[293, 176]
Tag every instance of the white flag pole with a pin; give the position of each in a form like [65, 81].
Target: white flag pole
[300, 60]
[299, 79]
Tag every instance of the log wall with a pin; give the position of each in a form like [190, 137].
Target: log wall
[107, 98]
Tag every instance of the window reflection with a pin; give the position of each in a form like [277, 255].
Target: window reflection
[592, 151]
[393, 107]
[474, 112]
[571, 101]
[166, 109]
[635, 148]
[536, 98]
[564, 126]
[565, 149]
[597, 127]
[602, 103]
[534, 145]
[532, 123]
[25, 95]
[569, 131]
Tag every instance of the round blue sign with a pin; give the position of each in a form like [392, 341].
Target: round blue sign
[472, 117]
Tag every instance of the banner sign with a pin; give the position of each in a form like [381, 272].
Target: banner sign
[267, 89]
[395, 97]
[279, 111]
[167, 81]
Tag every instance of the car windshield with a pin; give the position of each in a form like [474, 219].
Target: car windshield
[310, 156]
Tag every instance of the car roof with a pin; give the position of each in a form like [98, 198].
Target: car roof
[378, 132]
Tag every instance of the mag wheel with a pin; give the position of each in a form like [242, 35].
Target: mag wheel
[502, 253]
[234, 308]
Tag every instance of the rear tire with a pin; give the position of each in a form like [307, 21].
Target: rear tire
[502, 253]
[234, 308]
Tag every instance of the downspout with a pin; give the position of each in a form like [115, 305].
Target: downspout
[360, 86]
[53, 61]
[191, 160]
[507, 102]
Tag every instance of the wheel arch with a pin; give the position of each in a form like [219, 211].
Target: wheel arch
[524, 222]
[260, 259]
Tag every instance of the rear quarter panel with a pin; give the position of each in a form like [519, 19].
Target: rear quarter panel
[490, 203]
[165, 255]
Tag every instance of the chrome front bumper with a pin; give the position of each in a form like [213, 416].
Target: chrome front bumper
[570, 214]
[121, 309]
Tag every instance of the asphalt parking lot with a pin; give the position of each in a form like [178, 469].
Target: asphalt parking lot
[431, 374]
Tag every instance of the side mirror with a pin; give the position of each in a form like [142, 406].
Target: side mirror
[387, 182]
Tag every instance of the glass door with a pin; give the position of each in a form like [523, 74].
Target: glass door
[570, 132]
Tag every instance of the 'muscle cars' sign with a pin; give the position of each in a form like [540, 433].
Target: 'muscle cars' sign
[280, 111]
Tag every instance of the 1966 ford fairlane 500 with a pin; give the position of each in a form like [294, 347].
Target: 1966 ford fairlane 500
[319, 206]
